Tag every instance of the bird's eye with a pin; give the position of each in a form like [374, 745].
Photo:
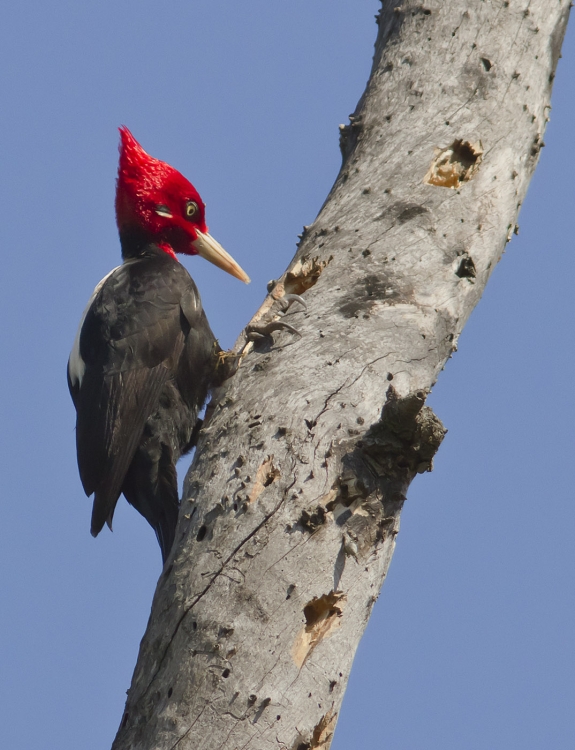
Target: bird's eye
[164, 211]
[191, 209]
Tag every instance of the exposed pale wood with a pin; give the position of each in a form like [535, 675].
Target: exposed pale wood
[292, 505]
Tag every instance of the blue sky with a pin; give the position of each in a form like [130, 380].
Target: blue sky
[471, 644]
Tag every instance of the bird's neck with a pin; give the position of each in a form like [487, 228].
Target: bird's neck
[136, 243]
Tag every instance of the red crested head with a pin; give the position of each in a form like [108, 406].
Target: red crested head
[157, 202]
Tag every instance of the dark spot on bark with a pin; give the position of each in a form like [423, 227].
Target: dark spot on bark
[366, 253]
[252, 699]
[201, 533]
[290, 591]
[312, 521]
[170, 691]
[401, 212]
[376, 287]
[332, 684]
[343, 517]
[194, 625]
[366, 292]
[474, 80]
[466, 268]
[390, 376]
[350, 489]
[411, 212]
[487, 64]
[226, 674]
[125, 720]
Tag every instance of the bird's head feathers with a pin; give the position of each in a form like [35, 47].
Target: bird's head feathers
[157, 201]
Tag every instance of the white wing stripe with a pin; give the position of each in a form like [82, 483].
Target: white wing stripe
[76, 365]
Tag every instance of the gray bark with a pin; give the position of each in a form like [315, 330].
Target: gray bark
[291, 508]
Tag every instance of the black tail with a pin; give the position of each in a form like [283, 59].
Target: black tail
[151, 486]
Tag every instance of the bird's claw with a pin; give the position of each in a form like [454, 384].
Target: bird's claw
[287, 301]
[257, 333]
[260, 331]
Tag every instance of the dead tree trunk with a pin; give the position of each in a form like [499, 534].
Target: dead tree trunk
[292, 505]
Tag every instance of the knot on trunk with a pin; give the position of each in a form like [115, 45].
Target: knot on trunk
[405, 439]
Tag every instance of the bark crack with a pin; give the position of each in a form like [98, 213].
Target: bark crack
[216, 575]
[189, 729]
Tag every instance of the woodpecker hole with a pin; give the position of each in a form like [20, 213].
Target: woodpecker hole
[226, 674]
[201, 533]
[466, 269]
[304, 274]
[322, 617]
[454, 165]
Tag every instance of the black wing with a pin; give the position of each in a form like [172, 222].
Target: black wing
[131, 341]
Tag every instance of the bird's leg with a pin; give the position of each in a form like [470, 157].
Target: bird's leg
[269, 323]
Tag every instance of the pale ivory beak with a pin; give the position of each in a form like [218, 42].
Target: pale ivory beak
[206, 246]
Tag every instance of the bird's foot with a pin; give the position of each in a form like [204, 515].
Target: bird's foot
[228, 361]
[226, 366]
[265, 328]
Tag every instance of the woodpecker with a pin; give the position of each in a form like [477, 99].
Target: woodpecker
[144, 357]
